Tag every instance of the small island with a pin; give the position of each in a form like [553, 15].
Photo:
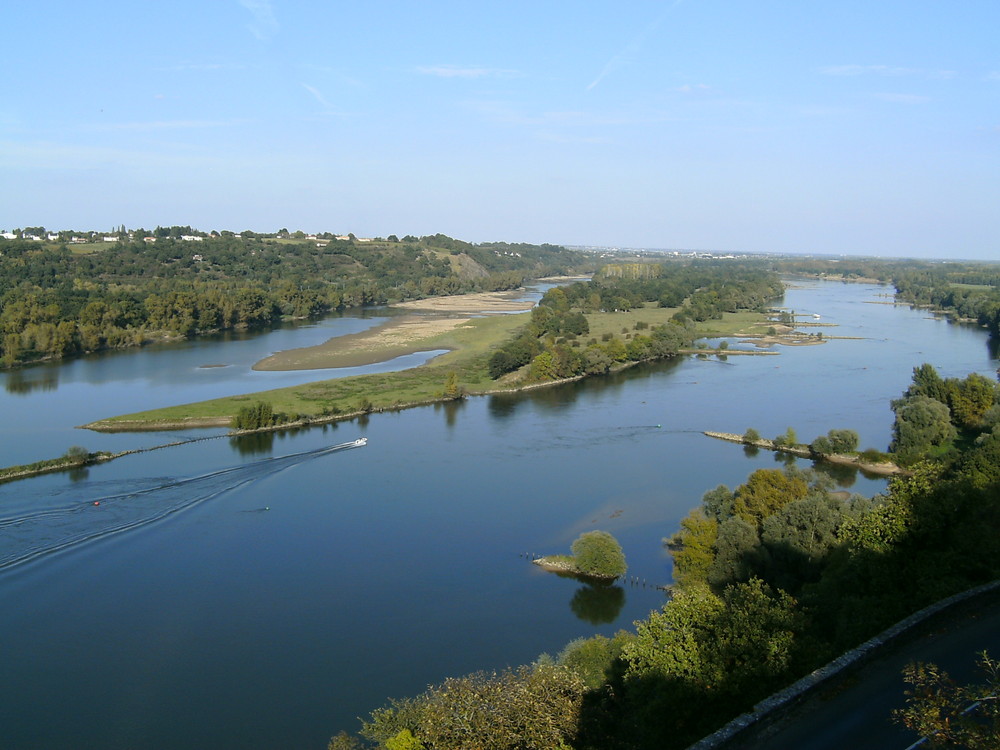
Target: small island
[596, 555]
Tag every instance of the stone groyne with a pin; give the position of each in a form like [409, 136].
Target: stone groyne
[887, 468]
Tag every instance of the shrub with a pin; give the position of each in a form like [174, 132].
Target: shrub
[597, 553]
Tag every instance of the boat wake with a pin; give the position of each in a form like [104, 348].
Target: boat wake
[29, 536]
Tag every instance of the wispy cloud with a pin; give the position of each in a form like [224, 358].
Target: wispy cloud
[456, 71]
[901, 98]
[630, 51]
[317, 95]
[264, 25]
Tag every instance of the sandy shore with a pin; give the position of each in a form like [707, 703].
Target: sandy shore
[392, 339]
[399, 336]
[479, 303]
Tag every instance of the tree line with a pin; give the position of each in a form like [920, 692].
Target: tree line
[54, 303]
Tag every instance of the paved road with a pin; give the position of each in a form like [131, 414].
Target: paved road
[854, 712]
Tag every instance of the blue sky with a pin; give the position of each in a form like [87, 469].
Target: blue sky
[848, 127]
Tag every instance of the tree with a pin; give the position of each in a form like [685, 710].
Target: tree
[766, 491]
[598, 554]
[789, 439]
[693, 548]
[922, 423]
[451, 387]
[77, 454]
[751, 436]
[531, 707]
[949, 714]
[843, 441]
[253, 417]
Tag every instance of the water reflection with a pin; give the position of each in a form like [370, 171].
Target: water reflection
[502, 406]
[253, 445]
[451, 410]
[23, 382]
[598, 603]
[785, 459]
[843, 475]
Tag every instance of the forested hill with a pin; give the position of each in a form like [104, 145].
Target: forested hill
[56, 301]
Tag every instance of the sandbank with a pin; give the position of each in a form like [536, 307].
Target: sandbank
[408, 334]
[399, 336]
[472, 304]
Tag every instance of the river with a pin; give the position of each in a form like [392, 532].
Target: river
[264, 593]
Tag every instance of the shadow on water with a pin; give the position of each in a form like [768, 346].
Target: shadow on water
[598, 603]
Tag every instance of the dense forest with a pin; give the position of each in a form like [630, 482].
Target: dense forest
[57, 303]
[772, 579]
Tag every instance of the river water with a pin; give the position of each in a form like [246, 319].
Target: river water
[264, 593]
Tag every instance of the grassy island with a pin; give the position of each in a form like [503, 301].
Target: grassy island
[618, 319]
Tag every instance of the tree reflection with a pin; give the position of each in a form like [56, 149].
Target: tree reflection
[451, 410]
[502, 405]
[598, 603]
[842, 474]
[253, 444]
[21, 383]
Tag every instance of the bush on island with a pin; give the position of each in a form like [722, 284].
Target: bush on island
[597, 553]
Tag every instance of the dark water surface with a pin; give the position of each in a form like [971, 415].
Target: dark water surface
[264, 593]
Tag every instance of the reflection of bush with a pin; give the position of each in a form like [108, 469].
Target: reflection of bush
[598, 604]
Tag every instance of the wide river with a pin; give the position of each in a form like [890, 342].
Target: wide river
[265, 593]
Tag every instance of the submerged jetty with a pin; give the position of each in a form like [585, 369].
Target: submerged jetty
[884, 468]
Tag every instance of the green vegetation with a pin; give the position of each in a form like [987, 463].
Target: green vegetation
[949, 714]
[75, 457]
[534, 707]
[665, 299]
[57, 303]
[772, 580]
[541, 346]
[934, 413]
[835, 441]
[256, 416]
[598, 554]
